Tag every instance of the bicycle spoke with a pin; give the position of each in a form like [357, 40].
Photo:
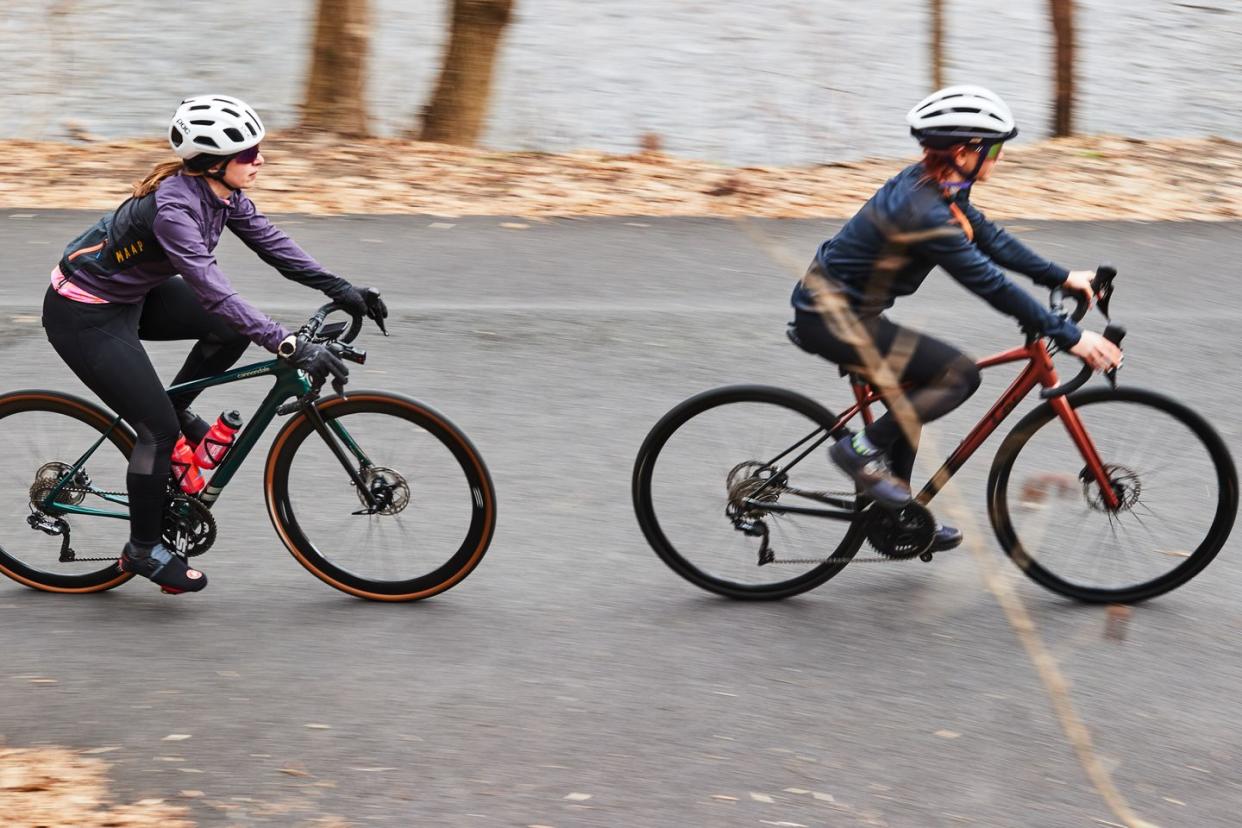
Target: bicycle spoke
[423, 515]
[1168, 499]
[707, 484]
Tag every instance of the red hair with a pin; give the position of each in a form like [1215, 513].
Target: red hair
[938, 164]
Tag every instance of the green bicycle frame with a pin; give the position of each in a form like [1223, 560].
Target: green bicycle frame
[290, 383]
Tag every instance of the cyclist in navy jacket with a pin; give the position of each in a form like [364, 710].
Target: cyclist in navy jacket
[148, 270]
[920, 219]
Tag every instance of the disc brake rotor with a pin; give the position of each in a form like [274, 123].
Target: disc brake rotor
[388, 487]
[1126, 486]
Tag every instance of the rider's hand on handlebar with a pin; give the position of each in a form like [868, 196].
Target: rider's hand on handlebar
[363, 302]
[319, 362]
[1097, 351]
[1079, 281]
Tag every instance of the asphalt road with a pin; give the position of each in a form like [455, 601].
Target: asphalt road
[572, 679]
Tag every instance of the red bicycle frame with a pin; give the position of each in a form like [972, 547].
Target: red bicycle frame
[1038, 372]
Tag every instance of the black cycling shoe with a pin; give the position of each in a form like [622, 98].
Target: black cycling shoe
[946, 538]
[871, 473]
[160, 565]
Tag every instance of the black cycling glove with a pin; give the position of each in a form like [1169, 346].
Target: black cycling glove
[362, 302]
[319, 362]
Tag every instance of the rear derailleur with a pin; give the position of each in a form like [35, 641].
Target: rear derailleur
[756, 528]
[53, 526]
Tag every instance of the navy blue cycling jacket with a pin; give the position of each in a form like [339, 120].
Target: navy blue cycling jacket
[907, 228]
[175, 229]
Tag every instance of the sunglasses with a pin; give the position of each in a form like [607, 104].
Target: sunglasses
[994, 152]
[247, 156]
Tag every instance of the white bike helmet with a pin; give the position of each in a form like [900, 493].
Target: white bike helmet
[961, 115]
[211, 127]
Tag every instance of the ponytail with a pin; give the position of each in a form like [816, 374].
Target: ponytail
[158, 173]
[938, 164]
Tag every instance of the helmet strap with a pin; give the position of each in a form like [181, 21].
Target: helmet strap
[206, 169]
[973, 173]
[218, 175]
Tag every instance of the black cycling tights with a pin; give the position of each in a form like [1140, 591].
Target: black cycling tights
[100, 343]
[943, 377]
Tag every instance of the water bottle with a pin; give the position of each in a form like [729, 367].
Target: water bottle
[217, 441]
[184, 472]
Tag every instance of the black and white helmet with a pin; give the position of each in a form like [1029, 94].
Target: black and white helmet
[961, 115]
[213, 125]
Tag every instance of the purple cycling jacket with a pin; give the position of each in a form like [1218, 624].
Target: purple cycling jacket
[175, 230]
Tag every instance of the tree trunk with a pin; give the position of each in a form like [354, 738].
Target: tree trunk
[336, 91]
[1063, 30]
[937, 43]
[457, 109]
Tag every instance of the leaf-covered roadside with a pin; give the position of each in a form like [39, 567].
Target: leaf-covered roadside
[1072, 179]
[57, 788]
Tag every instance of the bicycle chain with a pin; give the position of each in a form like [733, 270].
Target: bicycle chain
[875, 559]
[835, 560]
[78, 489]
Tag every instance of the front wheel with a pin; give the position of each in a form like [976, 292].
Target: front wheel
[1172, 474]
[431, 511]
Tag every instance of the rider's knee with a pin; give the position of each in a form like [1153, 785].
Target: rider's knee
[965, 377]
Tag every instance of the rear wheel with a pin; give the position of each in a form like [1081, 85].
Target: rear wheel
[1172, 473]
[434, 509]
[44, 433]
[708, 479]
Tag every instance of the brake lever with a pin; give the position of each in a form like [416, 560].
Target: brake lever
[1102, 286]
[1114, 333]
[379, 320]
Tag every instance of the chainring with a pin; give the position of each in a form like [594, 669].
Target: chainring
[388, 487]
[901, 533]
[189, 527]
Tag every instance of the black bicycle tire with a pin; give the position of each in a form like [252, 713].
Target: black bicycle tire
[644, 509]
[1218, 533]
[123, 437]
[461, 564]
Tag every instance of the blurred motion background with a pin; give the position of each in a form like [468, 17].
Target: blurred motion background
[778, 82]
[573, 680]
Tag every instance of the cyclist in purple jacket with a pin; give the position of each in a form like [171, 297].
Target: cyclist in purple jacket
[147, 270]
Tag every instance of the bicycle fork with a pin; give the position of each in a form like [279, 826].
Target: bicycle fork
[1082, 440]
[329, 435]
